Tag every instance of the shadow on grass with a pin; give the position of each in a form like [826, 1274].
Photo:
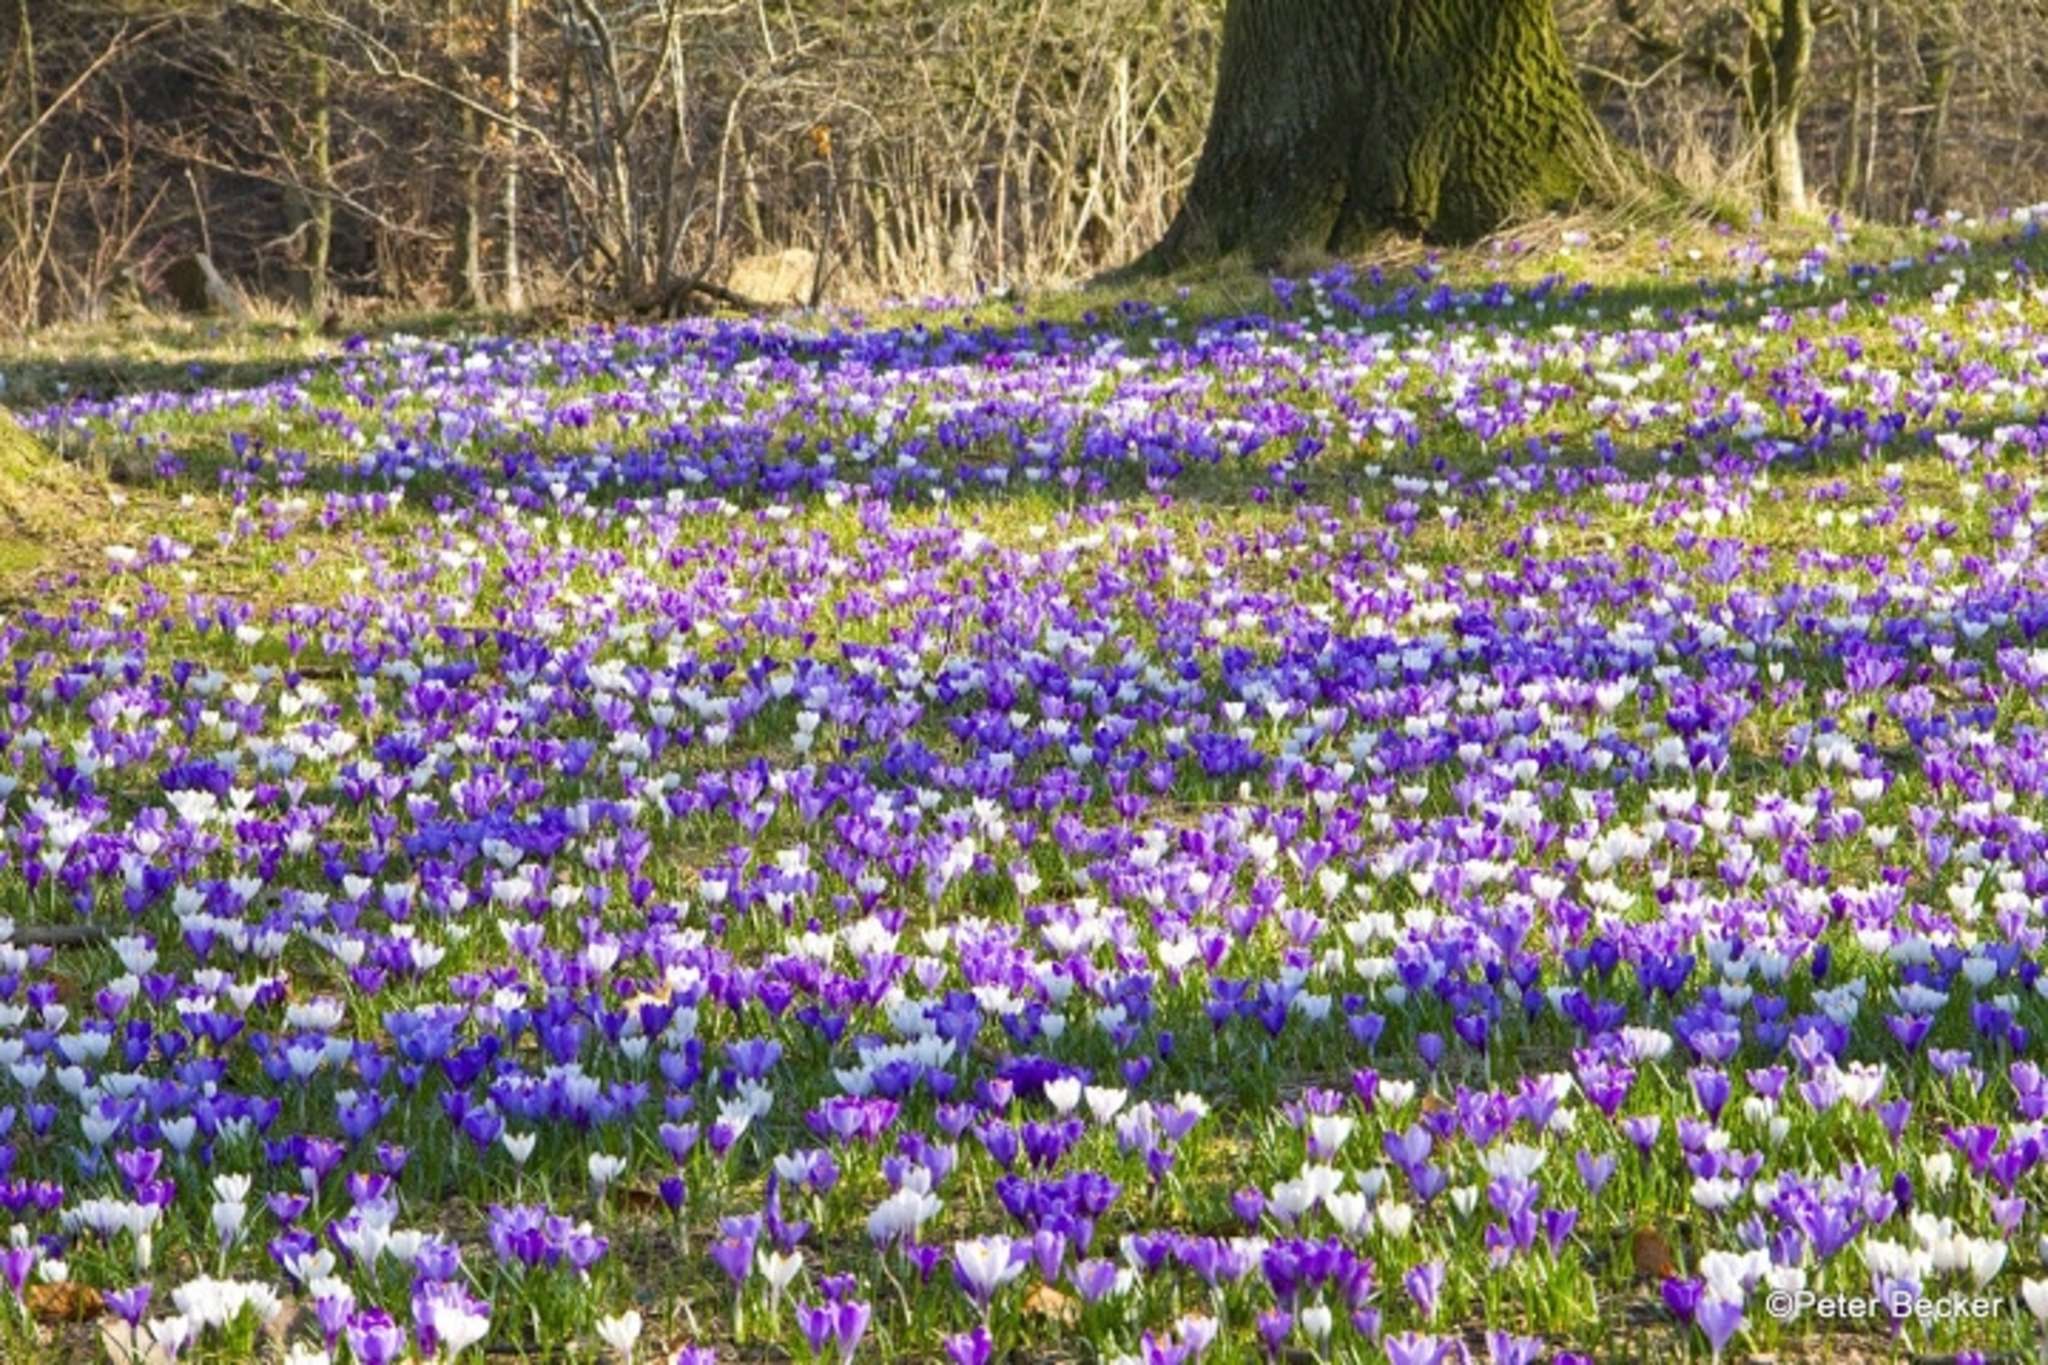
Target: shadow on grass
[759, 472]
[168, 354]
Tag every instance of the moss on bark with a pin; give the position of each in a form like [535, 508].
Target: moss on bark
[1335, 119]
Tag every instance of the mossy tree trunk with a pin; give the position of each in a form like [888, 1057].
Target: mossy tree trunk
[1781, 35]
[1859, 128]
[312, 203]
[1334, 119]
[1940, 48]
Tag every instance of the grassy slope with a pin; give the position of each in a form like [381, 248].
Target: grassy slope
[1624, 279]
[1632, 278]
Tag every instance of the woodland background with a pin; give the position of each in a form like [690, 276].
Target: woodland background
[332, 155]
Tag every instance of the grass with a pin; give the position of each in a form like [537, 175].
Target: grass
[263, 509]
[1618, 275]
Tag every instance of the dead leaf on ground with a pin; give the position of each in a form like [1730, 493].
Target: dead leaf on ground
[1651, 1255]
[67, 1301]
[1055, 1307]
[634, 1199]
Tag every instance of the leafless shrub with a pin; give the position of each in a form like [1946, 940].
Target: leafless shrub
[623, 154]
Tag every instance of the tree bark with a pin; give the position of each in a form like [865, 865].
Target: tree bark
[314, 203]
[515, 283]
[21, 228]
[468, 274]
[1784, 165]
[1337, 118]
[1938, 46]
[320, 249]
[1859, 125]
[469, 227]
[1780, 59]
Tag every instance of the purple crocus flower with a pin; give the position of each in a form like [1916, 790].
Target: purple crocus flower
[735, 1256]
[849, 1325]
[818, 1324]
[1093, 1278]
[1642, 1130]
[15, 1265]
[970, 1348]
[1710, 1085]
[1430, 1048]
[1505, 1348]
[374, 1338]
[1424, 1283]
[1717, 1318]
[1415, 1348]
[1274, 1327]
[1682, 1297]
[129, 1304]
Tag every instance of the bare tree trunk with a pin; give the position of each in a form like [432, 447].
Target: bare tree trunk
[1784, 163]
[24, 225]
[514, 296]
[1875, 136]
[1851, 185]
[1780, 59]
[750, 195]
[1769, 81]
[672, 214]
[827, 214]
[315, 200]
[1003, 169]
[1938, 45]
[469, 227]
[613, 116]
[1334, 118]
[467, 277]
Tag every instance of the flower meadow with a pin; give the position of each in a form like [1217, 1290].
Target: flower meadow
[1444, 815]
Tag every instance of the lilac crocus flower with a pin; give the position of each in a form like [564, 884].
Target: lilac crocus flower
[970, 1348]
[374, 1338]
[129, 1304]
[1415, 1348]
[1717, 1318]
[1505, 1348]
[1424, 1283]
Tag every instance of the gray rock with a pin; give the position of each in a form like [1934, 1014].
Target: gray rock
[775, 277]
[197, 286]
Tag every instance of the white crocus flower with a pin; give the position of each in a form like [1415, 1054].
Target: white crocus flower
[620, 1332]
